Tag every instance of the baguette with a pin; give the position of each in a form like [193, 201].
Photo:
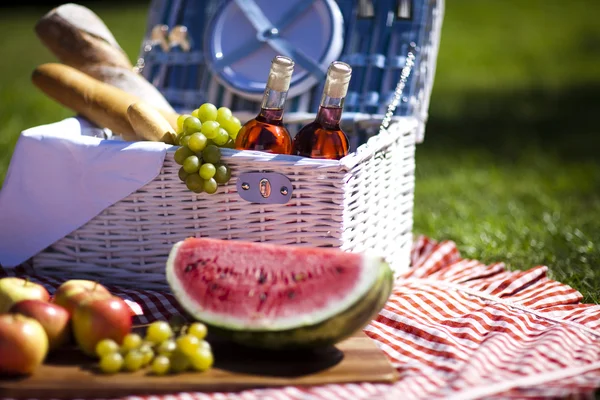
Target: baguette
[129, 81]
[80, 39]
[149, 124]
[103, 104]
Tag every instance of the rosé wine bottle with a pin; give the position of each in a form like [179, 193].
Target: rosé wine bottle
[323, 138]
[266, 132]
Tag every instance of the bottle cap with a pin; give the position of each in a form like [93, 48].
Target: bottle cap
[338, 78]
[280, 74]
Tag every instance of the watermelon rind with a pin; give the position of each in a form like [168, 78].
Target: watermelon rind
[367, 278]
[323, 334]
[327, 327]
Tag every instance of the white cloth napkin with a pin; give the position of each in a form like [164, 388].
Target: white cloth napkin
[59, 179]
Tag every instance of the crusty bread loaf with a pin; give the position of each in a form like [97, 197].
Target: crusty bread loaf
[129, 81]
[149, 124]
[103, 104]
[80, 39]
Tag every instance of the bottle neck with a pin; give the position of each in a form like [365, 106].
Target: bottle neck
[330, 111]
[273, 99]
[271, 109]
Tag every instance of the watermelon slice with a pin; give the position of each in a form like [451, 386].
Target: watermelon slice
[271, 296]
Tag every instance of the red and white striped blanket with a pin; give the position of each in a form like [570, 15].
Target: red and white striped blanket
[453, 328]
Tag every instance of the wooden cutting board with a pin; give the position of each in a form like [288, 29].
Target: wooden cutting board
[69, 374]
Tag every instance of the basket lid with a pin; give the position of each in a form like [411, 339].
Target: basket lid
[244, 35]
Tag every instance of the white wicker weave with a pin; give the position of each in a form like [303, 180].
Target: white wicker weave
[363, 202]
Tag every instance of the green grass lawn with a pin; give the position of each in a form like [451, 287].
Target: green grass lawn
[510, 167]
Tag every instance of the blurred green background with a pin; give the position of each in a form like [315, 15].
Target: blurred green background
[510, 164]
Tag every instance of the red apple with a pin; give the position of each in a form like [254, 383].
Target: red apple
[13, 290]
[23, 344]
[72, 292]
[99, 317]
[54, 319]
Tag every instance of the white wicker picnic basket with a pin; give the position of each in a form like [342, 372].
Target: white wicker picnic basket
[362, 202]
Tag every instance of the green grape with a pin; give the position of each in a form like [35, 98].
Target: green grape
[205, 345]
[187, 344]
[211, 154]
[197, 142]
[181, 154]
[179, 362]
[236, 120]
[158, 332]
[232, 126]
[210, 129]
[222, 173]
[207, 171]
[194, 183]
[160, 365]
[191, 164]
[147, 353]
[230, 144]
[223, 114]
[185, 141]
[210, 186]
[192, 125]
[201, 359]
[106, 347]
[131, 341]
[234, 135]
[197, 329]
[180, 136]
[133, 361]
[221, 138]
[195, 113]
[180, 120]
[207, 112]
[111, 363]
[182, 174]
[166, 348]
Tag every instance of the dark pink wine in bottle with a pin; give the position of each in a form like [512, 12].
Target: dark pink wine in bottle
[323, 138]
[266, 132]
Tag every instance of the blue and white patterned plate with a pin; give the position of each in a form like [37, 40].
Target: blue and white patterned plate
[244, 35]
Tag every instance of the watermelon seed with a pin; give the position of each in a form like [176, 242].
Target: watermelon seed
[291, 294]
[262, 297]
[262, 278]
[222, 275]
[213, 286]
[189, 267]
[299, 277]
[339, 270]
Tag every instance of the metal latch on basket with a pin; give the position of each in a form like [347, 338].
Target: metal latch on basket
[264, 187]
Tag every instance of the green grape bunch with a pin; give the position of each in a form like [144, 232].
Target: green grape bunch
[163, 350]
[201, 135]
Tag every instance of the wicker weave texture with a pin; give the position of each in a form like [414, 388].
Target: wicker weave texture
[345, 204]
[378, 199]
